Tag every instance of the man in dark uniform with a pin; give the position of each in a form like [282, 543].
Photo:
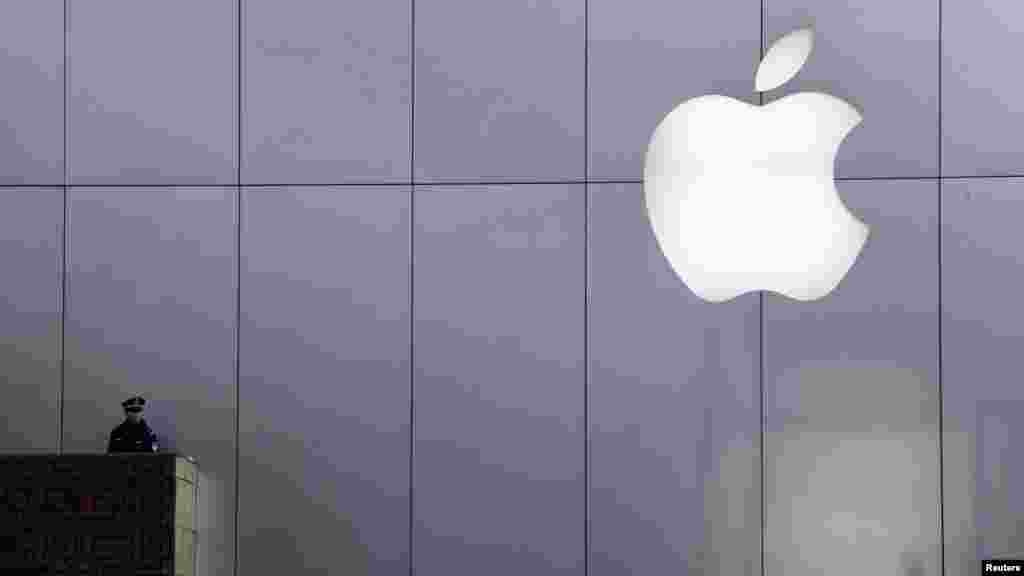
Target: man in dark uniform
[132, 435]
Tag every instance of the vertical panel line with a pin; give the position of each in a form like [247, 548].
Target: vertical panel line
[412, 283]
[762, 417]
[238, 356]
[66, 171]
[412, 372]
[939, 97]
[586, 288]
[62, 345]
[64, 238]
[63, 317]
[586, 381]
[238, 273]
[942, 467]
[238, 94]
[586, 91]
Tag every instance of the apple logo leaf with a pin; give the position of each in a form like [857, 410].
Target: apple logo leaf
[784, 59]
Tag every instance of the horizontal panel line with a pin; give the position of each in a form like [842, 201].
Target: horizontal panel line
[335, 185]
[984, 177]
[479, 182]
[877, 178]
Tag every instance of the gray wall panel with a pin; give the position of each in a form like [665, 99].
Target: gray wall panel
[674, 409]
[982, 335]
[499, 90]
[498, 381]
[881, 57]
[151, 293]
[327, 91]
[152, 92]
[851, 386]
[30, 299]
[32, 99]
[982, 110]
[324, 382]
[647, 56]
[502, 94]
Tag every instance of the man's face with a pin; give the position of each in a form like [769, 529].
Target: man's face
[133, 416]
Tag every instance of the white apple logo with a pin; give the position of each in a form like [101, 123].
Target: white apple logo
[743, 198]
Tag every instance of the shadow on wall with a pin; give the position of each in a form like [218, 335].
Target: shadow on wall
[209, 552]
[731, 495]
[851, 477]
[28, 363]
[98, 382]
[998, 498]
[729, 487]
[322, 544]
[292, 534]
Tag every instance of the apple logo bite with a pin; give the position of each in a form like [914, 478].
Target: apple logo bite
[742, 197]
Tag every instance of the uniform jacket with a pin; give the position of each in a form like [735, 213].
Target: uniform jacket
[129, 437]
